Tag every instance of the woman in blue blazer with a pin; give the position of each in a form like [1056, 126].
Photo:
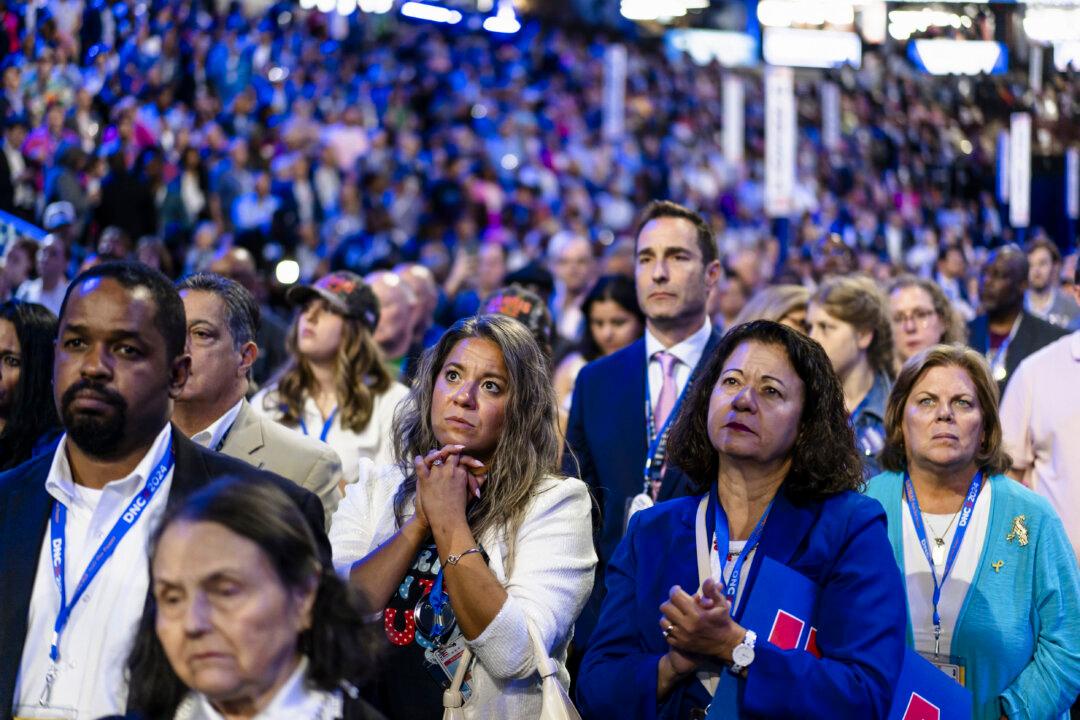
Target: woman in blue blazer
[800, 618]
[1008, 608]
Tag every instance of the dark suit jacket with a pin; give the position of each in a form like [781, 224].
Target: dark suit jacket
[841, 544]
[607, 434]
[1032, 335]
[24, 514]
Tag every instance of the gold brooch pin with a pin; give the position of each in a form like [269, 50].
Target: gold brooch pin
[1019, 531]
[998, 565]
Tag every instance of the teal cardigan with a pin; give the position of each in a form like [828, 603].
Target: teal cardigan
[1019, 626]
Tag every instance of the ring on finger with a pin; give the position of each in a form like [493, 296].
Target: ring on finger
[437, 461]
[668, 630]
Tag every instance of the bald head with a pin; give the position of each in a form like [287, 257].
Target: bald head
[422, 282]
[397, 308]
[1004, 281]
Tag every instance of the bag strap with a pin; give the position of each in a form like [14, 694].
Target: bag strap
[452, 697]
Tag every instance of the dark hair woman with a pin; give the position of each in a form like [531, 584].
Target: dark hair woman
[778, 527]
[613, 320]
[28, 420]
[244, 619]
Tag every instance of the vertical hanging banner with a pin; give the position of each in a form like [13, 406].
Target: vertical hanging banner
[780, 127]
[1072, 183]
[614, 92]
[1003, 166]
[1035, 67]
[830, 115]
[1020, 170]
[734, 119]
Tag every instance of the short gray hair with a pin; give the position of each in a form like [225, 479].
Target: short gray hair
[241, 309]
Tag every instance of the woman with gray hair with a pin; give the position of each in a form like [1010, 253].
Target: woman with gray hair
[471, 544]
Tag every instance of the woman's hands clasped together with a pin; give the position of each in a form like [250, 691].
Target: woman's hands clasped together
[446, 481]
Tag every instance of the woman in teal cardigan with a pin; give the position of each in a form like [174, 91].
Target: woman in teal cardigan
[1001, 607]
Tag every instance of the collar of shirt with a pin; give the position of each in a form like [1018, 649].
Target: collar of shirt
[211, 436]
[61, 484]
[295, 699]
[689, 351]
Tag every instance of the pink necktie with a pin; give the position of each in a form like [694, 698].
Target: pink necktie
[666, 401]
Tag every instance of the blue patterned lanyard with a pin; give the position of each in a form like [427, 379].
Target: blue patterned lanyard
[954, 549]
[721, 533]
[657, 454]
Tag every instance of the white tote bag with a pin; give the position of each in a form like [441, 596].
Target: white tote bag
[555, 703]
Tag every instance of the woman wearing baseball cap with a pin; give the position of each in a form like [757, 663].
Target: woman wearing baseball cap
[335, 387]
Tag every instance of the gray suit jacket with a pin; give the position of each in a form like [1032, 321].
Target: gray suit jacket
[268, 445]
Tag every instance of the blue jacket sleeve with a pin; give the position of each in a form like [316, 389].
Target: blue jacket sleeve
[1049, 684]
[861, 617]
[618, 674]
[577, 460]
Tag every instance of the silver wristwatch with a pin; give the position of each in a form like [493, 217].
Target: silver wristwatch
[743, 654]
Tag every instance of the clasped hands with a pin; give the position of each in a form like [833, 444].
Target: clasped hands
[446, 480]
[699, 629]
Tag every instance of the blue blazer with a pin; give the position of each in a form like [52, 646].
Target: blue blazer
[606, 434]
[839, 543]
[24, 513]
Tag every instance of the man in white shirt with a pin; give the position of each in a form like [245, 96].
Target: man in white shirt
[75, 524]
[49, 287]
[623, 403]
[1040, 427]
[222, 322]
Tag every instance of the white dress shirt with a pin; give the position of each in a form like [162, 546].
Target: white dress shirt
[689, 352]
[34, 291]
[1040, 427]
[920, 586]
[95, 644]
[296, 699]
[374, 441]
[212, 436]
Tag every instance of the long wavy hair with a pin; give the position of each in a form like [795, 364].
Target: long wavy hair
[528, 446]
[340, 645]
[824, 459]
[33, 413]
[359, 377]
[858, 301]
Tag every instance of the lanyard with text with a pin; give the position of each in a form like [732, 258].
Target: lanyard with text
[721, 535]
[997, 359]
[57, 534]
[325, 428]
[657, 454]
[954, 549]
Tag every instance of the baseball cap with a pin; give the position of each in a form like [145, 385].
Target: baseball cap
[524, 306]
[58, 214]
[345, 292]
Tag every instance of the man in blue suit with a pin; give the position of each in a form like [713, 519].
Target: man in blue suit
[86, 512]
[623, 402]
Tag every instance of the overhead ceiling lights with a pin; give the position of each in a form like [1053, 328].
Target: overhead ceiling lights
[431, 13]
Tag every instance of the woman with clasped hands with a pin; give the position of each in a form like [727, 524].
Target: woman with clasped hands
[994, 596]
[765, 437]
[467, 545]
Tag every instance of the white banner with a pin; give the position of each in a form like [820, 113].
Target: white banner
[1072, 183]
[734, 119]
[614, 92]
[830, 115]
[780, 128]
[1003, 166]
[1035, 67]
[1020, 170]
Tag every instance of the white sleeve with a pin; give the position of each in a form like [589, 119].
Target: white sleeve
[550, 581]
[1016, 418]
[365, 518]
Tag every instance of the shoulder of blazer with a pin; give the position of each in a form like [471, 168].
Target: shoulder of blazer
[15, 479]
[615, 368]
[291, 446]
[1039, 332]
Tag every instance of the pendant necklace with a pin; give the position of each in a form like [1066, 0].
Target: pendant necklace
[937, 552]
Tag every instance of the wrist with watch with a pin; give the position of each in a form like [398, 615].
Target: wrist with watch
[743, 653]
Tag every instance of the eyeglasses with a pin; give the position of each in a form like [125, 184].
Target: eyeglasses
[921, 318]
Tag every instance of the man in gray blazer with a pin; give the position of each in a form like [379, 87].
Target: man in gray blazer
[222, 320]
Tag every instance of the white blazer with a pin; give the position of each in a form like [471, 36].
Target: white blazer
[551, 579]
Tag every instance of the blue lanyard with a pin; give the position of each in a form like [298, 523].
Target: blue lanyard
[654, 458]
[439, 598]
[325, 428]
[958, 537]
[57, 533]
[721, 533]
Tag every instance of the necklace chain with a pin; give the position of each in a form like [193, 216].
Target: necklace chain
[940, 538]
